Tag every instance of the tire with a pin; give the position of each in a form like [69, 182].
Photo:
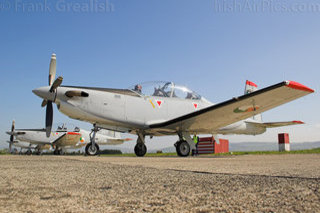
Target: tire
[183, 149]
[177, 150]
[92, 150]
[29, 152]
[140, 149]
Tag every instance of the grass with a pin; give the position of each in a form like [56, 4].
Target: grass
[3, 152]
[173, 154]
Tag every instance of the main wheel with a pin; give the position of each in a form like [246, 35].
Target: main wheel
[183, 148]
[29, 152]
[38, 152]
[177, 150]
[92, 150]
[140, 149]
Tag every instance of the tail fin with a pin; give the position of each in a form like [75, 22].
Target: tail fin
[249, 88]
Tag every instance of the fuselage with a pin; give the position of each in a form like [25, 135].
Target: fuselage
[39, 139]
[128, 111]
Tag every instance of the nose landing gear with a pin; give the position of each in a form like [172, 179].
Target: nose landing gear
[92, 148]
[140, 149]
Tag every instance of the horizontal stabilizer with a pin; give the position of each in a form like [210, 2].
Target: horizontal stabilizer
[13, 142]
[276, 124]
[115, 141]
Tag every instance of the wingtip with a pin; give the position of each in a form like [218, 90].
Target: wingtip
[298, 122]
[298, 86]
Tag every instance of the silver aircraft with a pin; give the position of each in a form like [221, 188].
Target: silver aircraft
[165, 108]
[59, 140]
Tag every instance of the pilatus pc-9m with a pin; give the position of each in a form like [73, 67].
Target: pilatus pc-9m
[165, 108]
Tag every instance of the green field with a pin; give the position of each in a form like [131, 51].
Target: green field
[307, 151]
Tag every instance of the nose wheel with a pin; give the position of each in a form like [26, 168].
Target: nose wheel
[92, 148]
[140, 149]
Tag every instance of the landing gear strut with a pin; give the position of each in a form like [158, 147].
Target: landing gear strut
[140, 149]
[92, 148]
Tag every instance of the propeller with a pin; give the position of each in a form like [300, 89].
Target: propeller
[11, 136]
[54, 85]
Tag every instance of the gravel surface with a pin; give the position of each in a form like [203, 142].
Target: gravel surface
[269, 183]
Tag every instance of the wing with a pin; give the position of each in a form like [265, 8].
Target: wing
[210, 119]
[276, 124]
[68, 139]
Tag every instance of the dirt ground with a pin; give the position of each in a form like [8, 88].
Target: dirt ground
[252, 183]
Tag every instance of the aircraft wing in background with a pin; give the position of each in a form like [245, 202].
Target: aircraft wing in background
[67, 139]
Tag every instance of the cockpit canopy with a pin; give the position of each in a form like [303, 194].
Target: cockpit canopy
[62, 127]
[165, 89]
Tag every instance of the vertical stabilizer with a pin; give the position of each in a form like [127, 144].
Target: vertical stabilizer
[249, 88]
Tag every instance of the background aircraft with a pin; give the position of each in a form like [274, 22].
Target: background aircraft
[164, 108]
[59, 140]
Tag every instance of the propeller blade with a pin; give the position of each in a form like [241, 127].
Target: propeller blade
[11, 136]
[56, 84]
[13, 126]
[44, 103]
[12, 131]
[49, 118]
[52, 69]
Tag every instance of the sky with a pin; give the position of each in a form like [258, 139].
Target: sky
[210, 46]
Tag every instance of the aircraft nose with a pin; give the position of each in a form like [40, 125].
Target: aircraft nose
[44, 93]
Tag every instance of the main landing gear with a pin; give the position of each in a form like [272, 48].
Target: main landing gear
[182, 148]
[92, 148]
[58, 151]
[184, 145]
[140, 149]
